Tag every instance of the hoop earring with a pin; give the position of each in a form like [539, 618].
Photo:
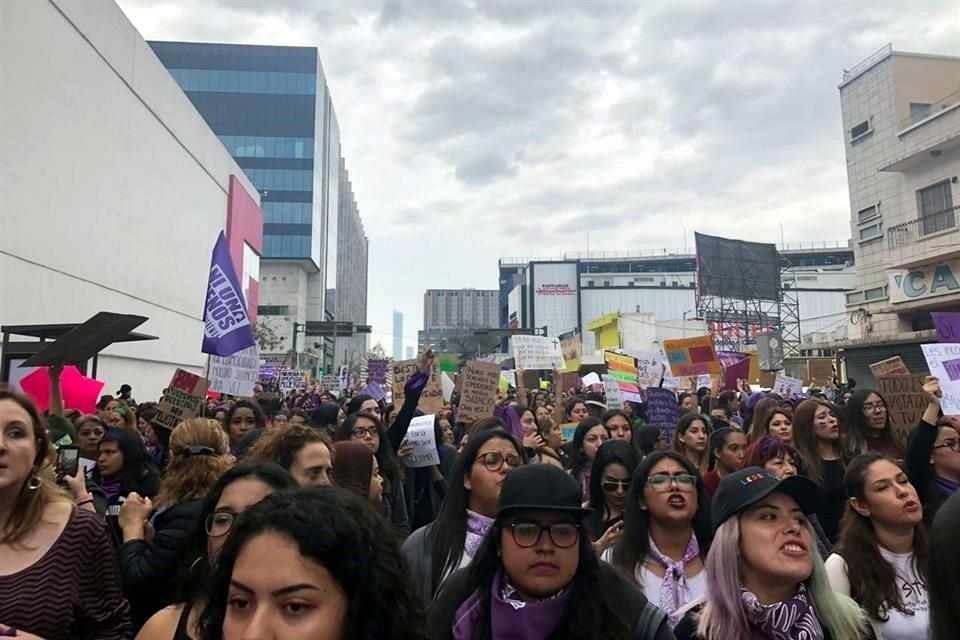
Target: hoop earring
[193, 565]
[34, 482]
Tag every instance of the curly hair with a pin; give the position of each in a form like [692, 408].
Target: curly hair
[324, 522]
[190, 474]
[281, 444]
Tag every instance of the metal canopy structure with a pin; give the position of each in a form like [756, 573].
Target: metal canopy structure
[71, 343]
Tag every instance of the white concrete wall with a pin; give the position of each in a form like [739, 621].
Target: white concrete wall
[114, 188]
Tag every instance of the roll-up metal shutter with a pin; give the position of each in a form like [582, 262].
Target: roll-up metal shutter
[858, 361]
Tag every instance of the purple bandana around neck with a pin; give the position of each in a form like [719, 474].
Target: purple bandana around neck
[510, 617]
[675, 590]
[948, 487]
[792, 619]
[477, 527]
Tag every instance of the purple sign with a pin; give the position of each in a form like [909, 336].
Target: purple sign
[947, 324]
[662, 410]
[375, 391]
[377, 369]
[736, 366]
[226, 325]
[952, 367]
[269, 373]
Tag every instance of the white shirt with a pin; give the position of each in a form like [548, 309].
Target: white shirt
[651, 582]
[899, 625]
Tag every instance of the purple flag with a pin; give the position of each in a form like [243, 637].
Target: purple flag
[226, 325]
[947, 324]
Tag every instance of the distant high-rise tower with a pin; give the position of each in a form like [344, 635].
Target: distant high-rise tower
[397, 335]
[411, 353]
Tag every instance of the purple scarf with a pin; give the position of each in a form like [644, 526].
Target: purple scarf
[792, 619]
[510, 617]
[674, 590]
[948, 487]
[477, 528]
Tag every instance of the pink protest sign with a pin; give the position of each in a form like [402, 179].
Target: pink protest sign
[947, 324]
[79, 392]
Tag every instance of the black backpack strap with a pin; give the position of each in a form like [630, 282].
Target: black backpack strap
[649, 623]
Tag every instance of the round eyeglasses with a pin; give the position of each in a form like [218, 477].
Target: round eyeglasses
[494, 460]
[219, 523]
[527, 534]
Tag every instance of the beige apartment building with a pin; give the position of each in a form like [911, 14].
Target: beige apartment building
[901, 127]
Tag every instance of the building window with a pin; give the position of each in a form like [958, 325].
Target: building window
[855, 297]
[871, 232]
[867, 214]
[859, 131]
[590, 283]
[919, 111]
[233, 81]
[935, 204]
[875, 294]
[268, 146]
[273, 310]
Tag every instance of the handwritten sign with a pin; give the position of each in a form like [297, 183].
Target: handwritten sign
[235, 374]
[479, 392]
[378, 370]
[290, 379]
[182, 400]
[947, 324]
[787, 387]
[649, 368]
[691, 356]
[662, 411]
[623, 368]
[422, 437]
[894, 366]
[431, 400]
[330, 382]
[613, 393]
[937, 356]
[905, 400]
[537, 352]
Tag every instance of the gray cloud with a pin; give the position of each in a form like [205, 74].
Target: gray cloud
[483, 168]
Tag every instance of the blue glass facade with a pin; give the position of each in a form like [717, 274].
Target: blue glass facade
[271, 108]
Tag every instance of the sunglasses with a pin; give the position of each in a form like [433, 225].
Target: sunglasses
[612, 485]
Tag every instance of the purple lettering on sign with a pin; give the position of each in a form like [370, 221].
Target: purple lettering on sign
[952, 368]
[947, 324]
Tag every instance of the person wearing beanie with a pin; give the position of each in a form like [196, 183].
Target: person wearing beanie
[765, 577]
[536, 575]
[357, 470]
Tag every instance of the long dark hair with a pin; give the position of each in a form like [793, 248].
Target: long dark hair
[136, 461]
[805, 441]
[344, 535]
[590, 619]
[635, 543]
[389, 467]
[449, 531]
[857, 434]
[578, 459]
[873, 581]
[943, 581]
[193, 562]
[612, 452]
[357, 401]
[646, 438]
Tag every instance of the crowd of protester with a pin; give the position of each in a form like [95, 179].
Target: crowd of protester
[287, 516]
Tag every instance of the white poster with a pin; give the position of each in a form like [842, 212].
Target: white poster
[649, 367]
[423, 439]
[944, 362]
[555, 291]
[290, 379]
[447, 385]
[515, 308]
[787, 387]
[235, 374]
[536, 352]
[613, 393]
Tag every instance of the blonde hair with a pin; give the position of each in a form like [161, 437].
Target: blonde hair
[30, 504]
[190, 475]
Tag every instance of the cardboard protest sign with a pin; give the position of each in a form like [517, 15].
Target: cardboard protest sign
[947, 324]
[537, 352]
[612, 390]
[182, 400]
[378, 370]
[422, 437]
[565, 381]
[905, 400]
[787, 387]
[531, 380]
[479, 393]
[944, 361]
[767, 379]
[290, 379]
[662, 411]
[431, 400]
[819, 371]
[235, 374]
[691, 356]
[894, 366]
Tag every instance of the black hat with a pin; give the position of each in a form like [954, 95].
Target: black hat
[540, 487]
[746, 487]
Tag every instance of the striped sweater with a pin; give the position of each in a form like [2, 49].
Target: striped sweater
[72, 592]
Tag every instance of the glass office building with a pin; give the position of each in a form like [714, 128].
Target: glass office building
[271, 108]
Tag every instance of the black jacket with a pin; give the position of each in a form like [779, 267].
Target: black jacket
[148, 569]
[622, 596]
[919, 449]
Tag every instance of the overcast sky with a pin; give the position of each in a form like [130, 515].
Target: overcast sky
[475, 130]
